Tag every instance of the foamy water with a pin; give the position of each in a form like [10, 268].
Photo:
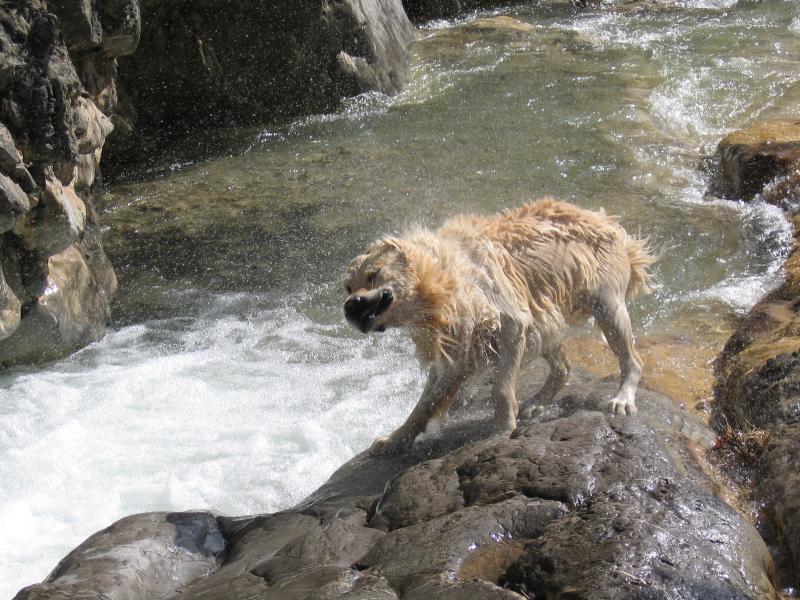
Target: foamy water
[245, 409]
[205, 396]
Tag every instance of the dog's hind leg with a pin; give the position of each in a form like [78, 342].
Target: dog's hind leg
[559, 373]
[511, 348]
[612, 316]
[556, 379]
[439, 393]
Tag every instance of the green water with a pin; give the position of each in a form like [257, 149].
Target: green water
[605, 108]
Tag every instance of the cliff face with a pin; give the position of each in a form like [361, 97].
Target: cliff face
[57, 86]
[219, 63]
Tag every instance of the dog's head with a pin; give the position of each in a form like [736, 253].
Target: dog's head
[378, 287]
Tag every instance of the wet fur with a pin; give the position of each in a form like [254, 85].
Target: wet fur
[483, 291]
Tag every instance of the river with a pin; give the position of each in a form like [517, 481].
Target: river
[228, 379]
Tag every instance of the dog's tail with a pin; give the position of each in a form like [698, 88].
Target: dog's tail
[641, 257]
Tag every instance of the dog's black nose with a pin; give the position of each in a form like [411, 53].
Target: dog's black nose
[354, 306]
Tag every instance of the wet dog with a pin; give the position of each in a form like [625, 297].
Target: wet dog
[484, 291]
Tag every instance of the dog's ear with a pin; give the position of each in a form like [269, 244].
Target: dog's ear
[391, 244]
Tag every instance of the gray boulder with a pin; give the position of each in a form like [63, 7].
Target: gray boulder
[576, 503]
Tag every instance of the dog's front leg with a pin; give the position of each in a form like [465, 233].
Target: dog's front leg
[440, 391]
[510, 350]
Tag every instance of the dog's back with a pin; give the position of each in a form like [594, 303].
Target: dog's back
[562, 255]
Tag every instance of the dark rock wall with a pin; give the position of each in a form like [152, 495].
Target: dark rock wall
[223, 62]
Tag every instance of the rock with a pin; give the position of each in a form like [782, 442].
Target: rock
[9, 155]
[122, 26]
[750, 159]
[67, 299]
[93, 129]
[58, 283]
[209, 65]
[757, 389]
[11, 162]
[425, 10]
[38, 83]
[577, 503]
[119, 559]
[57, 220]
[113, 25]
[80, 23]
[9, 309]
[14, 204]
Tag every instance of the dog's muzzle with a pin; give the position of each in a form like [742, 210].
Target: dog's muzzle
[362, 310]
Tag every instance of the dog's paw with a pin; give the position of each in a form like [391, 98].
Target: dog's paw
[621, 406]
[386, 446]
[530, 411]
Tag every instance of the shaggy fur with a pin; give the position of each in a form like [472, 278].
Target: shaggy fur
[484, 291]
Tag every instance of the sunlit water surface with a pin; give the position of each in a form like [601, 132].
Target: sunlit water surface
[228, 380]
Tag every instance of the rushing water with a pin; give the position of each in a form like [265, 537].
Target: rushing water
[228, 380]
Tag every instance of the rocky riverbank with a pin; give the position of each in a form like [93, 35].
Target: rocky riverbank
[575, 503]
[57, 84]
[757, 394]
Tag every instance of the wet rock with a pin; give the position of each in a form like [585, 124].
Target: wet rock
[56, 74]
[66, 299]
[14, 203]
[750, 159]
[122, 26]
[577, 503]
[218, 63]
[757, 389]
[781, 486]
[442, 544]
[120, 559]
[56, 222]
[9, 309]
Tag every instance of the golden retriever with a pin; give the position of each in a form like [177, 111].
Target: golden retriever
[483, 291]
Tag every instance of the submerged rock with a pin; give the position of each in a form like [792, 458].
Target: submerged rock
[757, 390]
[575, 503]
